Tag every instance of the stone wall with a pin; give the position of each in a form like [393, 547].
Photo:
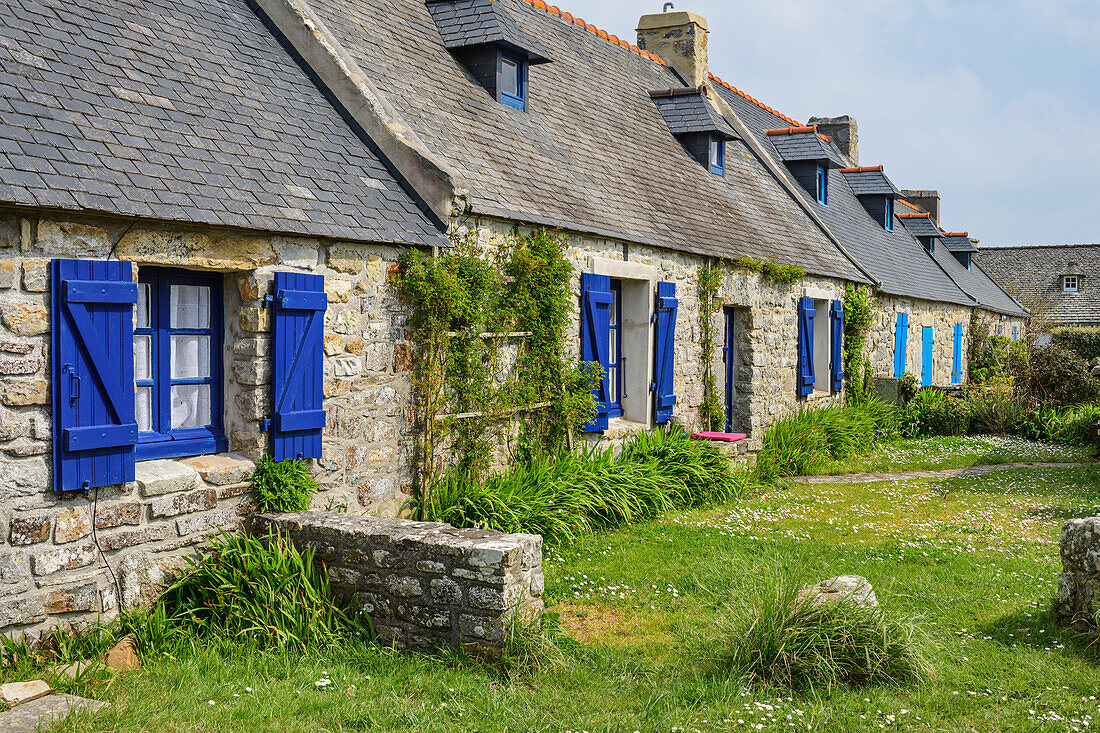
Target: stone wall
[50, 567]
[942, 317]
[1079, 581]
[424, 585]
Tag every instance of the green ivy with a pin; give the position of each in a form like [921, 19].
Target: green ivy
[858, 314]
[710, 283]
[771, 270]
[464, 303]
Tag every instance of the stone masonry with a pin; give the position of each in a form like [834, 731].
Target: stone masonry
[424, 585]
[1079, 581]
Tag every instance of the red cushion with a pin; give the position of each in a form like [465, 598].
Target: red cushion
[723, 437]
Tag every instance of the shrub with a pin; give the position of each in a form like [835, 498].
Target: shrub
[247, 590]
[781, 639]
[931, 412]
[1068, 425]
[1055, 376]
[564, 496]
[804, 442]
[287, 486]
[1082, 340]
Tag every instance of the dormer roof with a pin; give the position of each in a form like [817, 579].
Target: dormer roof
[804, 144]
[870, 181]
[688, 111]
[471, 23]
[958, 242]
[920, 225]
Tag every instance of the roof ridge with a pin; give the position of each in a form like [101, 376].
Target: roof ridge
[957, 234]
[911, 206]
[612, 39]
[798, 130]
[925, 215]
[864, 169]
[757, 102]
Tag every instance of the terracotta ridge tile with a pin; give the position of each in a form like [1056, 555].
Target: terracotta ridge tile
[799, 130]
[766, 108]
[864, 169]
[957, 234]
[599, 32]
[915, 216]
[906, 203]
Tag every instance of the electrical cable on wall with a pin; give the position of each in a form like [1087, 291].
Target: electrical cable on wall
[102, 555]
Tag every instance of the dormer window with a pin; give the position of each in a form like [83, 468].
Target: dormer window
[1070, 284]
[513, 81]
[889, 215]
[823, 185]
[717, 156]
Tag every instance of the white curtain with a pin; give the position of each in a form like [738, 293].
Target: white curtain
[190, 308]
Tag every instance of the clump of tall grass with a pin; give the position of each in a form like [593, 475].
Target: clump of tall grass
[804, 442]
[575, 492]
[286, 486]
[782, 639]
[255, 591]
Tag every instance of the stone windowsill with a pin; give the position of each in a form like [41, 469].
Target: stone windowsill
[172, 475]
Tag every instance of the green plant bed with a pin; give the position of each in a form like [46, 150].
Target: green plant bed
[286, 486]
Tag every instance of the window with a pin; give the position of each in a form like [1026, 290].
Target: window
[177, 364]
[823, 185]
[1070, 284]
[1015, 333]
[513, 81]
[889, 214]
[717, 156]
[615, 352]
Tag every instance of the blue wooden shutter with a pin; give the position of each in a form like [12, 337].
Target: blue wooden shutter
[297, 417]
[596, 337]
[805, 346]
[836, 367]
[667, 305]
[956, 355]
[92, 369]
[926, 356]
[901, 341]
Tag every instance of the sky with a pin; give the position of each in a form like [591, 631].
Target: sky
[990, 102]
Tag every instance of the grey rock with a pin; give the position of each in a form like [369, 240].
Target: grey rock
[852, 587]
[45, 711]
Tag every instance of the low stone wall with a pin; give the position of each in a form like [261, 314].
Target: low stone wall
[1079, 581]
[424, 585]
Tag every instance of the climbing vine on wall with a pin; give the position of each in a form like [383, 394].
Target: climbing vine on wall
[710, 283]
[490, 330]
[858, 313]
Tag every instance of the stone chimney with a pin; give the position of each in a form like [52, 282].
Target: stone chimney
[925, 200]
[680, 38]
[844, 133]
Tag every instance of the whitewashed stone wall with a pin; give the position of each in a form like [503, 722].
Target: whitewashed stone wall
[50, 567]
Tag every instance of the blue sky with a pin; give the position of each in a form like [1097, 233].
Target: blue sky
[990, 102]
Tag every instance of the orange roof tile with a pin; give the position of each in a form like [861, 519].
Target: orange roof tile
[763, 106]
[906, 203]
[957, 234]
[792, 130]
[863, 169]
[614, 40]
[915, 216]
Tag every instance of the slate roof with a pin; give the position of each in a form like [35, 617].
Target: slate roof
[795, 147]
[870, 181]
[959, 242]
[1034, 275]
[187, 111]
[978, 285]
[592, 153]
[690, 113]
[920, 225]
[895, 258]
[463, 23]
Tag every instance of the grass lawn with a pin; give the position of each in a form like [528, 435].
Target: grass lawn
[926, 454]
[976, 558]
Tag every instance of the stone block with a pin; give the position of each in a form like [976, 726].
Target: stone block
[252, 371]
[19, 366]
[16, 693]
[69, 239]
[254, 404]
[71, 525]
[431, 567]
[402, 358]
[117, 515]
[483, 628]
[55, 560]
[222, 519]
[196, 250]
[25, 392]
[346, 258]
[71, 600]
[333, 344]
[25, 319]
[1080, 546]
[490, 599]
[13, 425]
[404, 586]
[386, 560]
[254, 346]
[135, 537]
[7, 273]
[221, 470]
[29, 530]
[255, 319]
[13, 569]
[21, 612]
[196, 501]
[36, 275]
[445, 592]
[156, 478]
[338, 291]
[45, 712]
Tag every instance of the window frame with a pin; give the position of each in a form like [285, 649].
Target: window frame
[717, 144]
[889, 214]
[1066, 289]
[179, 442]
[515, 101]
[615, 331]
[823, 184]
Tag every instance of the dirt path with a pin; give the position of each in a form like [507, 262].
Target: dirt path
[867, 478]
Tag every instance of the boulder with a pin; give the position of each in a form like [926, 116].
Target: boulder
[124, 657]
[854, 587]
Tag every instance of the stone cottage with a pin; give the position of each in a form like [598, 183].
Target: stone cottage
[1057, 282]
[200, 203]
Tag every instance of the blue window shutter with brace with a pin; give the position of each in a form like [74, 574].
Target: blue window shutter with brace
[806, 377]
[836, 368]
[92, 371]
[297, 417]
[901, 344]
[596, 337]
[956, 356]
[667, 306]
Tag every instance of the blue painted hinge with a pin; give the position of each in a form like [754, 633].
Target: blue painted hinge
[653, 318]
[269, 300]
[265, 426]
[652, 386]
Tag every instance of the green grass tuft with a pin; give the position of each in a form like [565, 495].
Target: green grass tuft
[287, 486]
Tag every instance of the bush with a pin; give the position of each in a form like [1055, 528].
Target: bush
[1068, 425]
[1054, 376]
[246, 590]
[287, 486]
[564, 496]
[931, 412]
[781, 639]
[1081, 340]
[995, 411]
[804, 442]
